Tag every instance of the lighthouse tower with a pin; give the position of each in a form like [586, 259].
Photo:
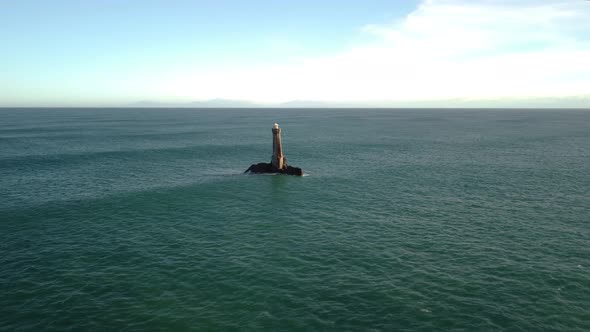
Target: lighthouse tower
[278, 160]
[278, 163]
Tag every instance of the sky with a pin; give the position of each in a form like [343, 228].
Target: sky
[114, 52]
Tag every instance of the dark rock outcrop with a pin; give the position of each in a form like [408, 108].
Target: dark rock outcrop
[262, 168]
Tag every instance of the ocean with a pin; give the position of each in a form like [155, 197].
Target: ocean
[406, 219]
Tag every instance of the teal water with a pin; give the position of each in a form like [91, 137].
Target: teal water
[429, 220]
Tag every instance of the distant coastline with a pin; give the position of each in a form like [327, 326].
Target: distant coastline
[580, 102]
[571, 102]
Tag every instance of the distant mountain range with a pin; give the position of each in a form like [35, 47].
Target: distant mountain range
[550, 102]
[213, 103]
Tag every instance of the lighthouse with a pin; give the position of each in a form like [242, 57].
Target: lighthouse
[278, 160]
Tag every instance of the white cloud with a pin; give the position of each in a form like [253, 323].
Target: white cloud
[443, 49]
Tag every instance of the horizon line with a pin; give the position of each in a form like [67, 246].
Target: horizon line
[304, 107]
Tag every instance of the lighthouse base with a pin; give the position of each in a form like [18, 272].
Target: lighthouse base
[268, 168]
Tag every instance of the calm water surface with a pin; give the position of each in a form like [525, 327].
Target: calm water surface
[131, 219]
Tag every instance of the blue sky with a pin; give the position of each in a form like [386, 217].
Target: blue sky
[102, 53]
